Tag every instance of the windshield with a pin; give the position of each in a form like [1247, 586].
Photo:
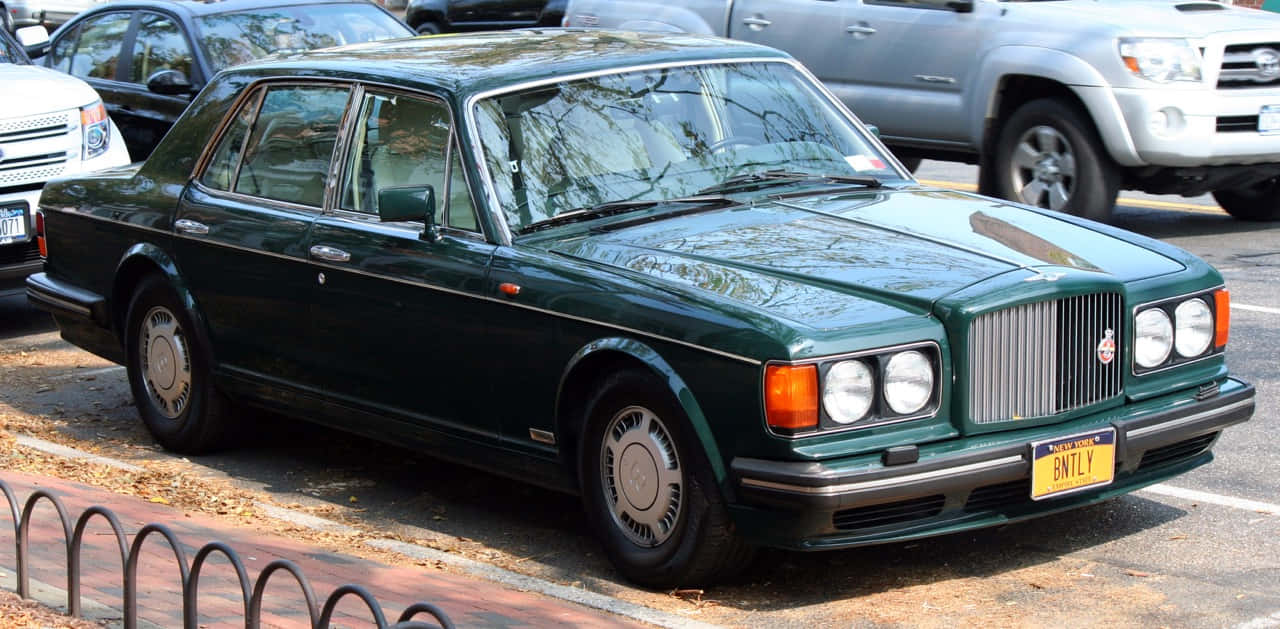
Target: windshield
[663, 134]
[10, 51]
[234, 38]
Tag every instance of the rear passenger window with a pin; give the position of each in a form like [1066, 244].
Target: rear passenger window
[97, 52]
[291, 144]
[221, 172]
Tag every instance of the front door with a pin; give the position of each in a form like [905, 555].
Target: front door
[397, 316]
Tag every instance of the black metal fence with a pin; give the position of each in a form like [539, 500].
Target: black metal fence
[319, 616]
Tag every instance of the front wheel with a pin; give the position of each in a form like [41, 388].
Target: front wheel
[1259, 202]
[169, 374]
[1048, 155]
[648, 489]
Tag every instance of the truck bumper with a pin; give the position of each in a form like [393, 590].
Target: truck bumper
[813, 505]
[1184, 128]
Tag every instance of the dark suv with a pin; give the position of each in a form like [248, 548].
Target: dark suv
[448, 16]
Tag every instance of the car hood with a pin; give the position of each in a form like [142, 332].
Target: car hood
[836, 261]
[57, 91]
[1188, 18]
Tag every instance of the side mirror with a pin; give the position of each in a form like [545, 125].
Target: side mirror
[34, 40]
[410, 203]
[874, 130]
[169, 83]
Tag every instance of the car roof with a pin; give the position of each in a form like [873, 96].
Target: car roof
[478, 62]
[213, 7]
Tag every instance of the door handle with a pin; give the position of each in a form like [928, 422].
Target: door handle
[330, 253]
[756, 23]
[860, 30]
[190, 227]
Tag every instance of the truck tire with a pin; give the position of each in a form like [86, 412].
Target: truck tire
[648, 489]
[1259, 202]
[428, 28]
[1049, 156]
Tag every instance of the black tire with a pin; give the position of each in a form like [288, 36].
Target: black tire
[1049, 156]
[170, 377]
[694, 542]
[1259, 202]
[428, 28]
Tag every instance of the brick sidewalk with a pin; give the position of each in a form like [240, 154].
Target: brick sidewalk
[469, 602]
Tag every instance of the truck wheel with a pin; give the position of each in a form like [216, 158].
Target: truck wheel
[648, 489]
[428, 28]
[169, 373]
[1049, 156]
[1259, 202]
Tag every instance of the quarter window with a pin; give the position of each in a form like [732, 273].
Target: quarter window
[220, 174]
[97, 53]
[160, 45]
[291, 144]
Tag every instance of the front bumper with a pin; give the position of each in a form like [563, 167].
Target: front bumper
[811, 505]
[1194, 138]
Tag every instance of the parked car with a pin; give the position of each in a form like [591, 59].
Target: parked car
[1061, 103]
[669, 272]
[148, 57]
[20, 13]
[448, 16]
[65, 131]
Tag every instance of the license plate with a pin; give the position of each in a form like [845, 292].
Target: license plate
[1069, 464]
[1269, 120]
[13, 224]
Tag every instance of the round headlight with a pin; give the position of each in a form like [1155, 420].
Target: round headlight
[1152, 337]
[1194, 324]
[847, 391]
[908, 382]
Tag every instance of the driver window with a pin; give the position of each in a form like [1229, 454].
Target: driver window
[160, 45]
[400, 141]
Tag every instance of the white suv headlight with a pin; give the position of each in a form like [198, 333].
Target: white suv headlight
[1161, 60]
[1152, 338]
[96, 130]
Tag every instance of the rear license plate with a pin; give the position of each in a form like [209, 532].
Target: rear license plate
[1069, 464]
[1269, 120]
[13, 224]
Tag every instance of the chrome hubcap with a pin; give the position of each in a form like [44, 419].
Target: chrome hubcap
[166, 363]
[1044, 168]
[643, 484]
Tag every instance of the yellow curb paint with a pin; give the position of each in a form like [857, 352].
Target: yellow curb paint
[1147, 203]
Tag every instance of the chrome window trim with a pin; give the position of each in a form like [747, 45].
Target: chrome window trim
[248, 198]
[1133, 314]
[505, 235]
[890, 349]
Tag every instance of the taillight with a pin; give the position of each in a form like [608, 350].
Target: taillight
[40, 242]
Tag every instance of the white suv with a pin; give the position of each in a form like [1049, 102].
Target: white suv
[51, 124]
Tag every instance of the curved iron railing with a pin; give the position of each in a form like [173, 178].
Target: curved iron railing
[252, 595]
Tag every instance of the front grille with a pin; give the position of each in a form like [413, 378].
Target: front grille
[890, 513]
[35, 148]
[1176, 452]
[19, 253]
[1042, 359]
[33, 127]
[1237, 124]
[1241, 67]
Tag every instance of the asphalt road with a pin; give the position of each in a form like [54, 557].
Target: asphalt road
[1147, 559]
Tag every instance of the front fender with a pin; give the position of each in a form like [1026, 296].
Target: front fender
[675, 384]
[1072, 72]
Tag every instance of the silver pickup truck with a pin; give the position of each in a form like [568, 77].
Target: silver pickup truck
[1062, 103]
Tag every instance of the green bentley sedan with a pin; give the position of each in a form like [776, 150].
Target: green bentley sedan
[669, 273]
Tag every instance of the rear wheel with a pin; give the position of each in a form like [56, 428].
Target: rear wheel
[169, 374]
[649, 491]
[1049, 156]
[1259, 202]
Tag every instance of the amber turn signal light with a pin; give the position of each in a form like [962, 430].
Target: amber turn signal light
[1221, 322]
[791, 397]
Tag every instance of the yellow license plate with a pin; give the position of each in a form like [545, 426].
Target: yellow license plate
[1068, 464]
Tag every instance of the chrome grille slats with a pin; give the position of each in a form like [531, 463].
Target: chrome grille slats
[1241, 69]
[37, 148]
[1041, 359]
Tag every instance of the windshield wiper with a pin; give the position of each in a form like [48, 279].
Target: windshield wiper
[766, 178]
[618, 207]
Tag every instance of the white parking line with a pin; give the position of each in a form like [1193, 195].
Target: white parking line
[87, 372]
[1255, 308]
[1261, 623]
[1214, 499]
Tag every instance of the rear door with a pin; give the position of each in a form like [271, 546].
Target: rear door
[242, 227]
[473, 15]
[398, 315]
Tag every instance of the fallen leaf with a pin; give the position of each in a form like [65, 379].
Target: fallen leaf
[159, 500]
[353, 500]
[1137, 573]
